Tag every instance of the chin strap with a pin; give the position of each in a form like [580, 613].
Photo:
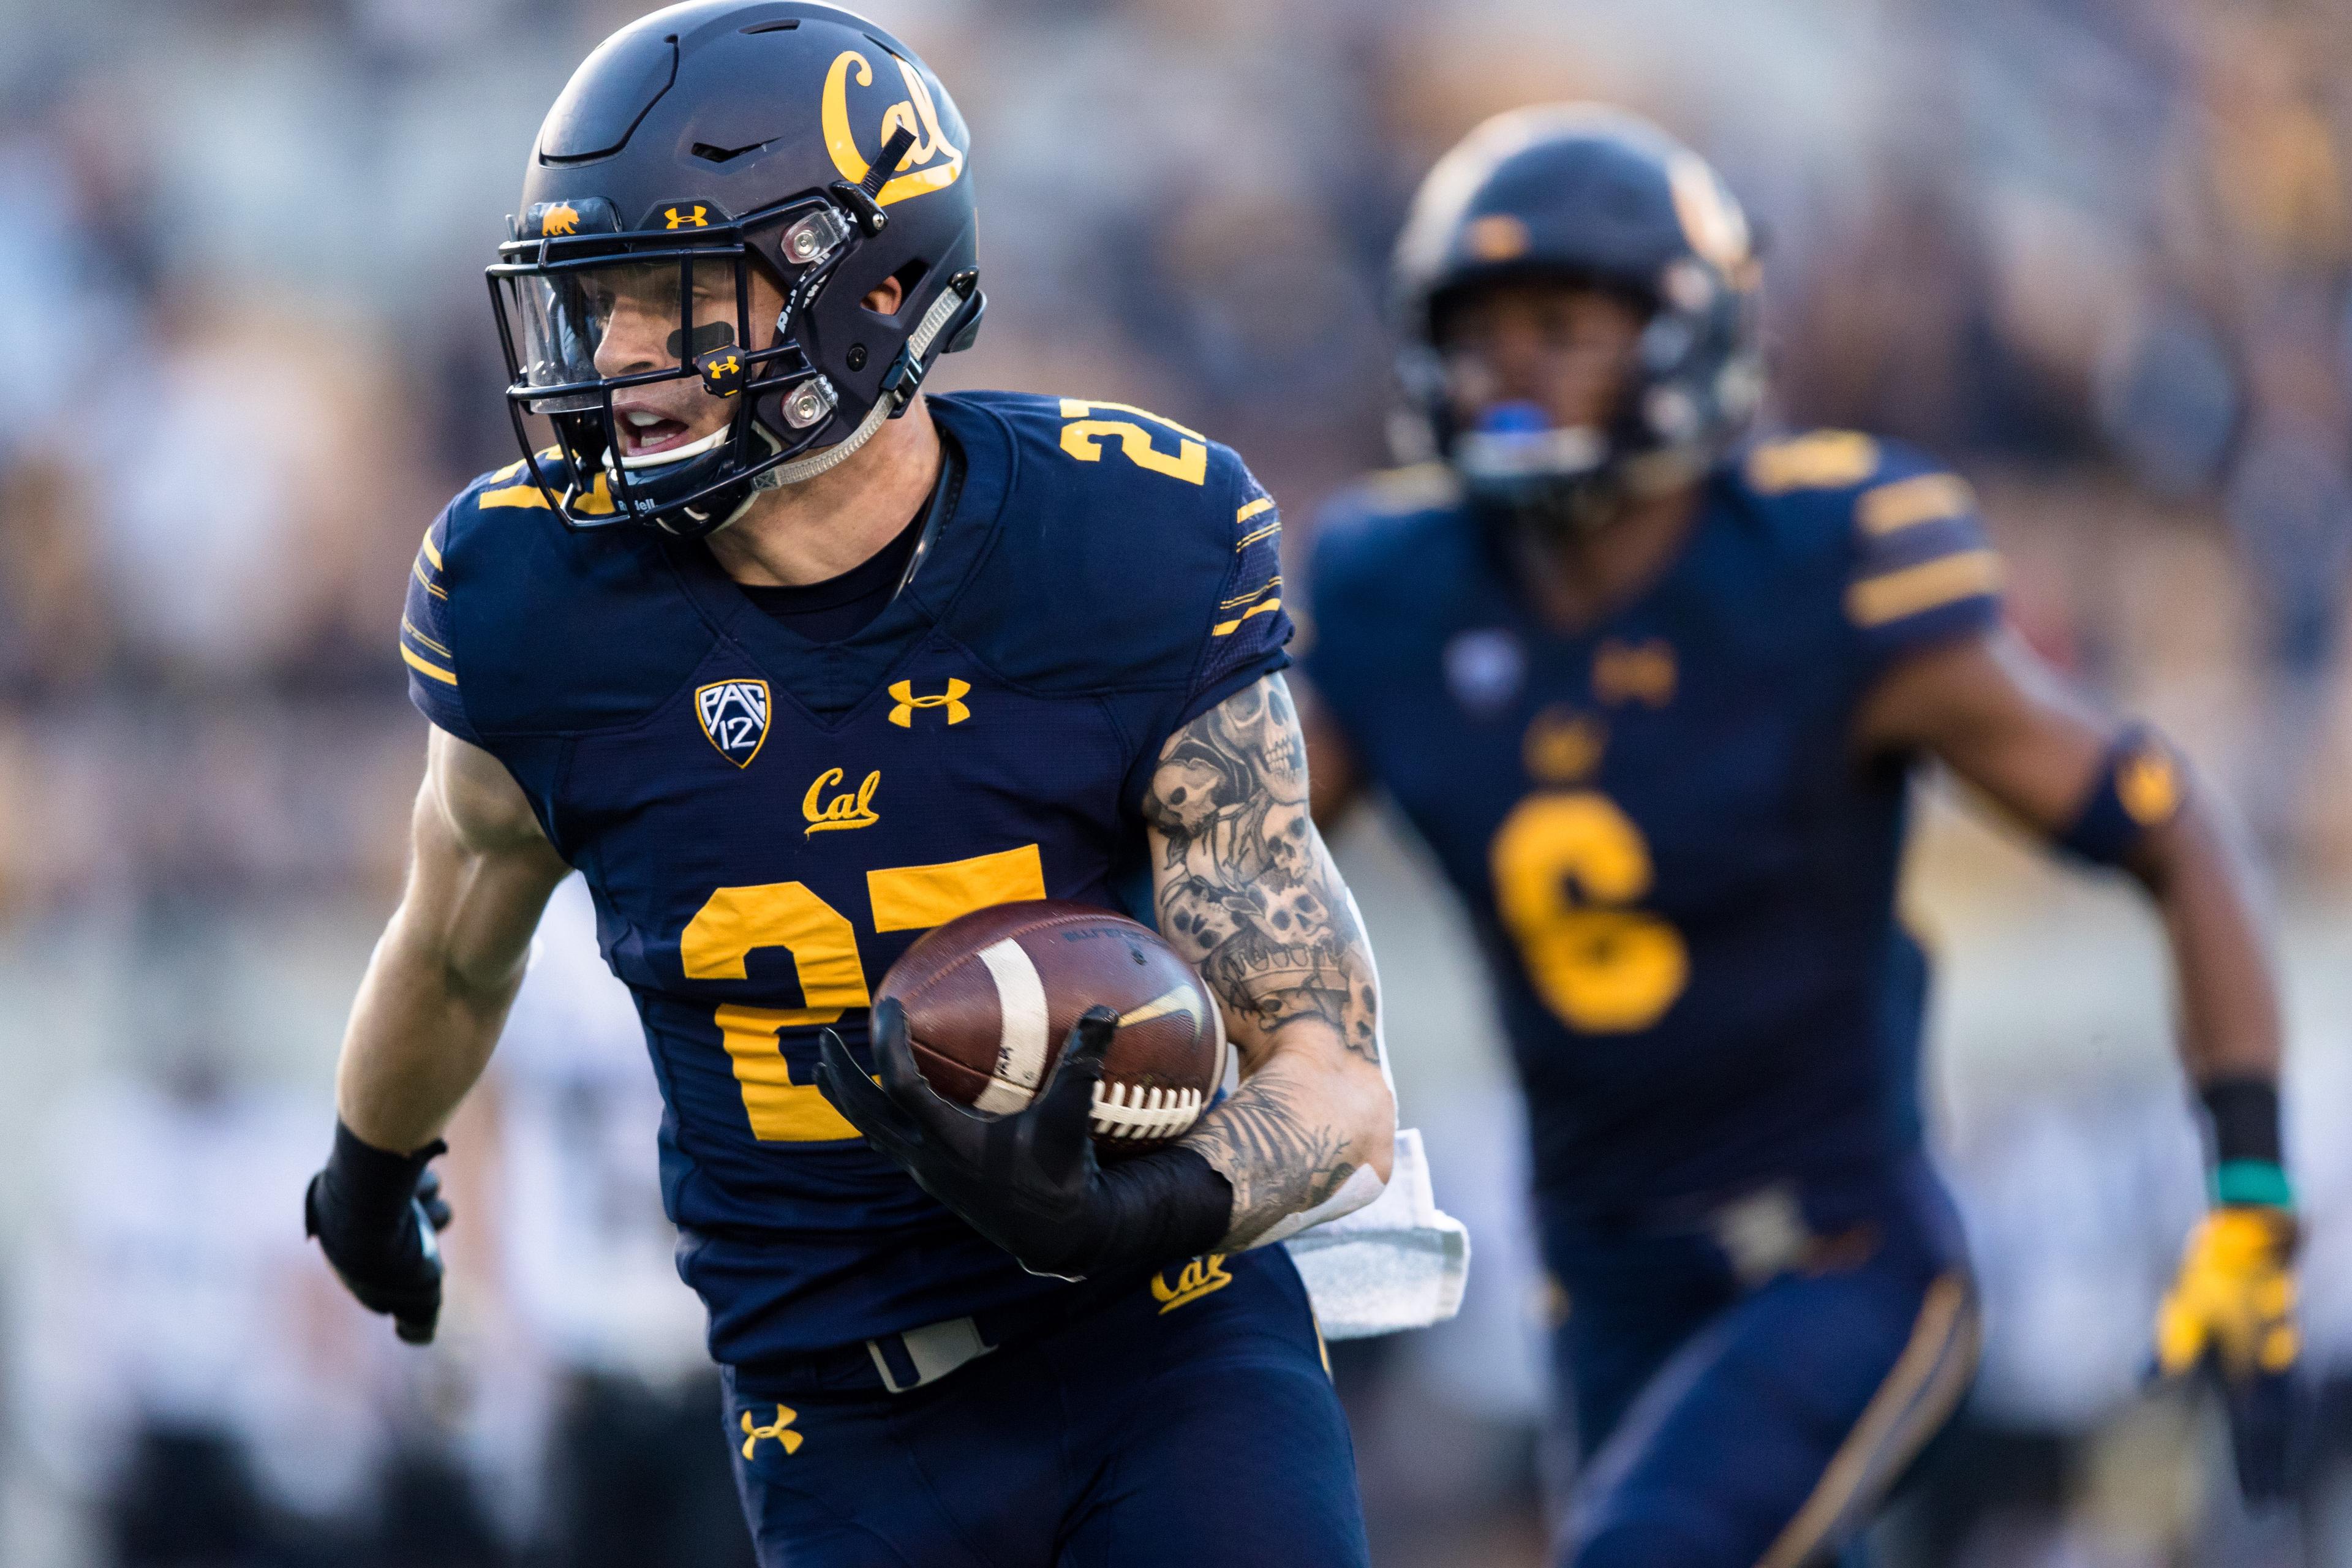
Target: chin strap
[801, 470]
[897, 393]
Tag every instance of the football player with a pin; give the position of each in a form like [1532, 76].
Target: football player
[1652, 697]
[794, 662]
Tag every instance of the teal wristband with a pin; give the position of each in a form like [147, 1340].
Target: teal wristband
[2262, 1182]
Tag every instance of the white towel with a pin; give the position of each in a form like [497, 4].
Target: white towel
[1397, 1263]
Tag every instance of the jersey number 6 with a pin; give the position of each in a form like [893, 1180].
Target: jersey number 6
[735, 922]
[1565, 868]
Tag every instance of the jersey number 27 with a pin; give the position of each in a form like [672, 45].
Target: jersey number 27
[735, 922]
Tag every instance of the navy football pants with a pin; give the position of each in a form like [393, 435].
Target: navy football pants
[1140, 1433]
[1731, 1426]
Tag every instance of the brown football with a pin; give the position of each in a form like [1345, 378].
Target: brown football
[991, 997]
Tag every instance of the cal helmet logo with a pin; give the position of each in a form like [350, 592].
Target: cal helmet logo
[561, 218]
[734, 715]
[915, 113]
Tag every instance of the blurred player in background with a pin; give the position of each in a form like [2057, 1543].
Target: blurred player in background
[632, 1477]
[794, 663]
[1653, 696]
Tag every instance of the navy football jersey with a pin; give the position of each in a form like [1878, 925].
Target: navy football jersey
[767, 822]
[1682, 881]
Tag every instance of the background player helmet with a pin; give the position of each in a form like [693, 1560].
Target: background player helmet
[723, 136]
[1584, 194]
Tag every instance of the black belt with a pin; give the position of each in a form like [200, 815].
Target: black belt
[908, 1359]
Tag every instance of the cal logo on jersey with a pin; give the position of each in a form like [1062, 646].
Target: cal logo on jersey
[1200, 1278]
[734, 715]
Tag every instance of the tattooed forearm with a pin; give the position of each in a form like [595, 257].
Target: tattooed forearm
[1246, 892]
[1246, 888]
[1278, 1154]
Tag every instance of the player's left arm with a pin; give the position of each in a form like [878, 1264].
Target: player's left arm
[1245, 889]
[2002, 721]
[1246, 892]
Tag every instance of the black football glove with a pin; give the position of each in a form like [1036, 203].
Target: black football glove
[1029, 1180]
[376, 1215]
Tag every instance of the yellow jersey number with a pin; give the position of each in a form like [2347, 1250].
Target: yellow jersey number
[1567, 866]
[735, 922]
[1083, 437]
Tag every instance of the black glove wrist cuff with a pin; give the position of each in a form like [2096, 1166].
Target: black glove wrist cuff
[2245, 1114]
[372, 1185]
[1156, 1209]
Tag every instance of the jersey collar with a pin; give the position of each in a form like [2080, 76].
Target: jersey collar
[829, 679]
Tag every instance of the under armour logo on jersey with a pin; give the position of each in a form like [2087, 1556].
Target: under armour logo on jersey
[1635, 672]
[689, 217]
[1198, 1278]
[734, 714]
[903, 715]
[780, 1429]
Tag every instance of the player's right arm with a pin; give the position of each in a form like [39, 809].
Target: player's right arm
[427, 1014]
[437, 989]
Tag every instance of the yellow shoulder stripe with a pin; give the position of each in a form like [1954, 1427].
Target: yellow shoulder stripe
[410, 627]
[427, 666]
[525, 494]
[1273, 582]
[432, 551]
[1923, 498]
[1255, 507]
[1891, 596]
[1249, 538]
[595, 503]
[1227, 628]
[416, 569]
[1820, 460]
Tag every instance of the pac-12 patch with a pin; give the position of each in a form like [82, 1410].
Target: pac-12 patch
[734, 715]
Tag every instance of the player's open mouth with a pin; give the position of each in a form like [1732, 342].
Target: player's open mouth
[644, 432]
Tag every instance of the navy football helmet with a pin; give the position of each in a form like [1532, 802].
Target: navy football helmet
[697, 150]
[1584, 194]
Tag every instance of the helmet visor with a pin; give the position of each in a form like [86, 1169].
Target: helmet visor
[578, 326]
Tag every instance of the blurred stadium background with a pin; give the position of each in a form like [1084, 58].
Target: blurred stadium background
[2095, 251]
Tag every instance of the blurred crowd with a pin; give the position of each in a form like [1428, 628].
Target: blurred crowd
[2093, 250]
[2098, 253]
